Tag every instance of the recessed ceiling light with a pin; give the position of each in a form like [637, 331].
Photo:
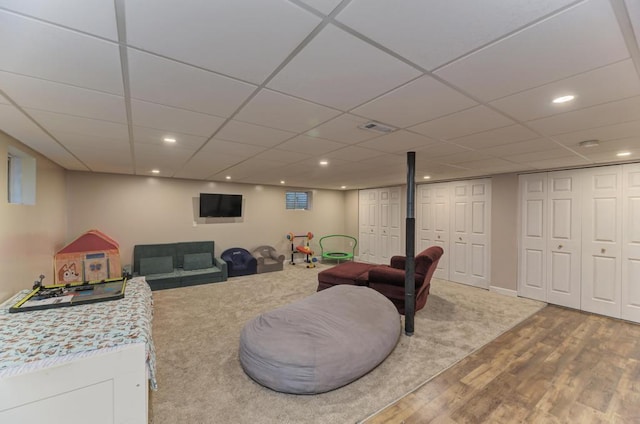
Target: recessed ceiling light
[282, 182]
[426, 177]
[624, 154]
[564, 99]
[228, 177]
[343, 187]
[169, 139]
[324, 162]
[155, 171]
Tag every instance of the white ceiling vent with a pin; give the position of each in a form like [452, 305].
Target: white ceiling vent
[377, 127]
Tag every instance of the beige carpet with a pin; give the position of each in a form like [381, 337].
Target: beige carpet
[196, 332]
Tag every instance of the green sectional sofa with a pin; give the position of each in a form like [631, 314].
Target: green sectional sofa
[171, 265]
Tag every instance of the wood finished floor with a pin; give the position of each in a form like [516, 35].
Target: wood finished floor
[559, 366]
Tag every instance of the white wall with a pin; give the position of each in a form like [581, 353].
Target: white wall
[143, 210]
[30, 235]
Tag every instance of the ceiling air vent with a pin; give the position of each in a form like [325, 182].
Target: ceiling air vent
[377, 127]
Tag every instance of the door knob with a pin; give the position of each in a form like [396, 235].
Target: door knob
[603, 250]
[438, 236]
[460, 238]
[559, 246]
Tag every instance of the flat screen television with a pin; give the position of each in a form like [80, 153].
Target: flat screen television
[220, 205]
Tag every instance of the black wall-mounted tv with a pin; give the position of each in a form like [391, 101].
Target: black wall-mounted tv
[220, 205]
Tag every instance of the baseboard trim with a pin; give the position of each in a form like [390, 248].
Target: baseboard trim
[506, 292]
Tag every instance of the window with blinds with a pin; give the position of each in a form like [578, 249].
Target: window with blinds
[297, 200]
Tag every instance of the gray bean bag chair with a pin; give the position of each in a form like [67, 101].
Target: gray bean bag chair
[321, 342]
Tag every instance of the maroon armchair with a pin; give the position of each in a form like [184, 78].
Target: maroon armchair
[389, 280]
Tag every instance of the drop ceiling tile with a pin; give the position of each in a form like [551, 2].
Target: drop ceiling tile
[607, 132]
[284, 112]
[205, 163]
[156, 137]
[247, 39]
[397, 142]
[99, 143]
[235, 148]
[97, 17]
[602, 85]
[17, 125]
[542, 155]
[420, 100]
[324, 6]
[245, 169]
[410, 27]
[170, 83]
[57, 54]
[558, 47]
[166, 158]
[62, 98]
[528, 146]
[310, 145]
[173, 119]
[339, 70]
[253, 134]
[283, 156]
[344, 129]
[592, 117]
[437, 150]
[461, 157]
[57, 123]
[354, 154]
[504, 135]
[473, 120]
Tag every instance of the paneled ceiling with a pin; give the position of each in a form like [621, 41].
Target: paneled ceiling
[262, 91]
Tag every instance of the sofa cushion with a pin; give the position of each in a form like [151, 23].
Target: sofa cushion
[194, 261]
[156, 265]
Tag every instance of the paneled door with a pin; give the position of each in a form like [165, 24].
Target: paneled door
[432, 222]
[390, 224]
[532, 257]
[470, 232]
[368, 225]
[564, 238]
[631, 243]
[441, 232]
[601, 241]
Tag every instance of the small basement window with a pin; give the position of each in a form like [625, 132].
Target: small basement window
[298, 200]
[21, 177]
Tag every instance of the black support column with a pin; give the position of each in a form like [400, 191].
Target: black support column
[409, 278]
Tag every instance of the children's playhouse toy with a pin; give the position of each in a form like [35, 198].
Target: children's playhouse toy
[93, 256]
[303, 249]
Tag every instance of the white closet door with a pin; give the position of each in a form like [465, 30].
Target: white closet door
[532, 269]
[631, 243]
[368, 224]
[424, 217]
[480, 233]
[460, 242]
[440, 212]
[601, 242]
[564, 238]
[390, 224]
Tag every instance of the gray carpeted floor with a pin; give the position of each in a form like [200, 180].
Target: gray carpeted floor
[196, 331]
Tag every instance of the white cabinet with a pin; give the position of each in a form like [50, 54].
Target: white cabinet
[457, 217]
[380, 224]
[580, 239]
